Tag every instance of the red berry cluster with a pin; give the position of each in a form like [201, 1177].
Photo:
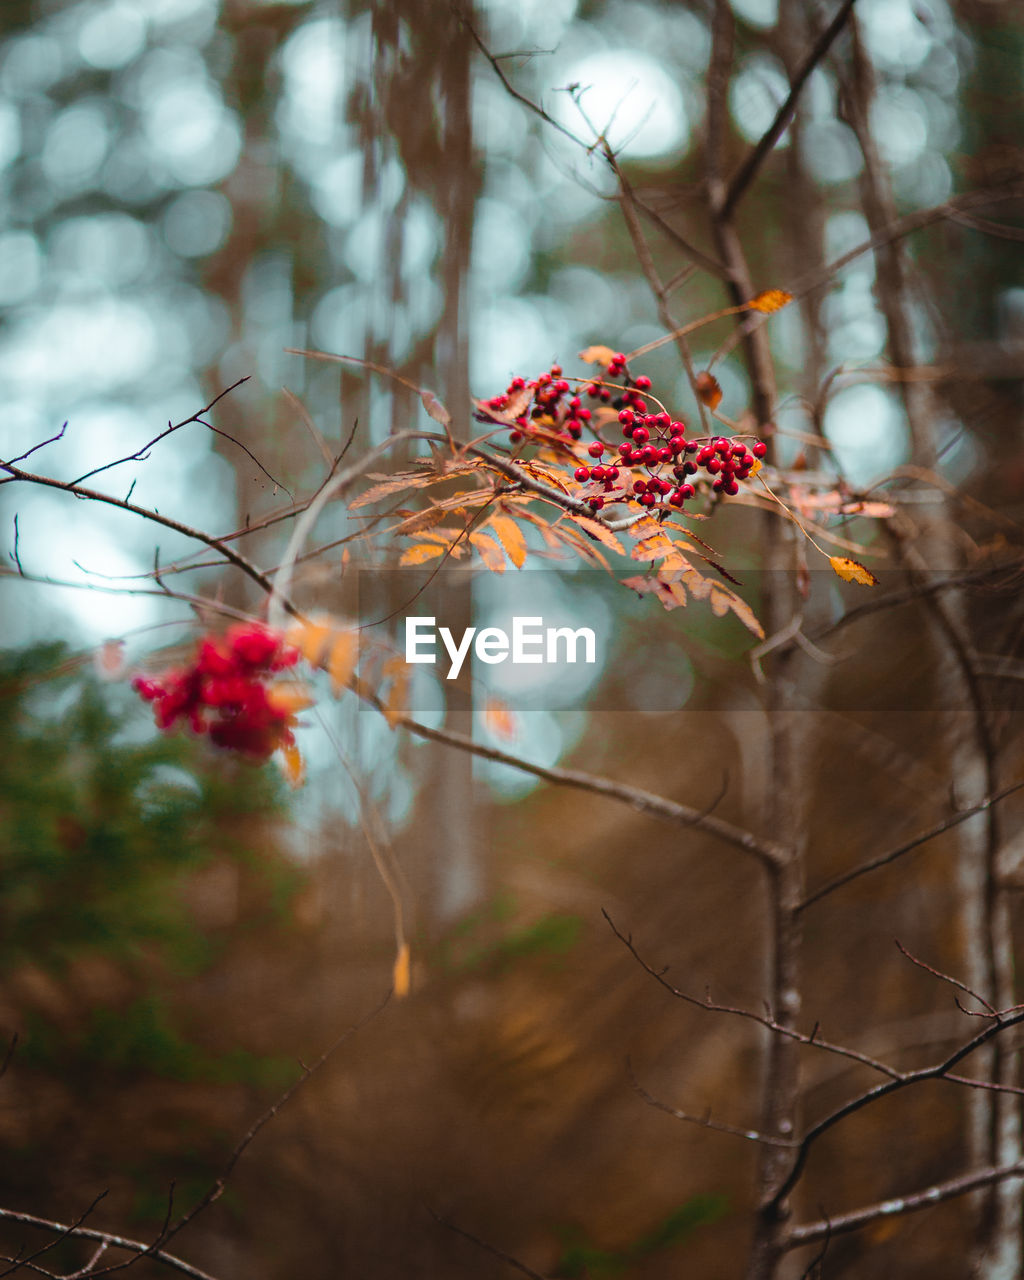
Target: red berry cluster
[654, 441]
[552, 399]
[224, 692]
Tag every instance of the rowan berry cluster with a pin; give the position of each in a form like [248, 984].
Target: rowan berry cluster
[671, 467]
[224, 692]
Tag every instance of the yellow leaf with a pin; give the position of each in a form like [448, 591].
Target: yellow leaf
[342, 660]
[490, 552]
[511, 538]
[769, 301]
[420, 552]
[394, 704]
[598, 530]
[309, 638]
[400, 975]
[852, 571]
[289, 698]
[500, 719]
[294, 766]
[597, 355]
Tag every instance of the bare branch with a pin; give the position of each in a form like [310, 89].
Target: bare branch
[810, 1232]
[747, 171]
[885, 859]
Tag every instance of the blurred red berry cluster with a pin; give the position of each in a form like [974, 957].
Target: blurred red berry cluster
[224, 693]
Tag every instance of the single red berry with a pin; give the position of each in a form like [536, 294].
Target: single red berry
[515, 436]
[760, 449]
[648, 499]
[643, 383]
[611, 473]
[625, 449]
[556, 370]
[582, 474]
[604, 394]
[596, 449]
[593, 390]
[677, 444]
[627, 417]
[713, 465]
[641, 435]
[596, 502]
[639, 486]
[664, 453]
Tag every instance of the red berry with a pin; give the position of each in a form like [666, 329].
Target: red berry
[643, 383]
[641, 435]
[596, 449]
[627, 417]
[647, 499]
[582, 474]
[664, 453]
[760, 449]
[596, 502]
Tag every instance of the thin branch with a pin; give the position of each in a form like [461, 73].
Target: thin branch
[641, 801]
[955, 982]
[765, 1020]
[705, 1121]
[810, 1232]
[483, 1244]
[747, 171]
[937, 1072]
[136, 1247]
[885, 859]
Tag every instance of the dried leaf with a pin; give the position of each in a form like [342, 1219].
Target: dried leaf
[400, 974]
[707, 388]
[289, 698]
[597, 530]
[294, 765]
[490, 552]
[511, 538]
[310, 638]
[394, 705]
[500, 719]
[342, 660]
[769, 301]
[653, 548]
[427, 475]
[420, 554]
[436, 409]
[598, 355]
[852, 571]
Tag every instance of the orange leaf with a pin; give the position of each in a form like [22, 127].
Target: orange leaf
[500, 719]
[707, 388]
[769, 301]
[511, 538]
[394, 705]
[598, 355]
[342, 660]
[598, 530]
[852, 571]
[309, 638]
[490, 552]
[420, 553]
[289, 698]
[294, 766]
[400, 976]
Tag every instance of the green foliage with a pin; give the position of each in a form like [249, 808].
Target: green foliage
[468, 946]
[101, 819]
[582, 1258]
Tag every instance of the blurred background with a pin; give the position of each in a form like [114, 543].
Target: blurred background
[189, 188]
